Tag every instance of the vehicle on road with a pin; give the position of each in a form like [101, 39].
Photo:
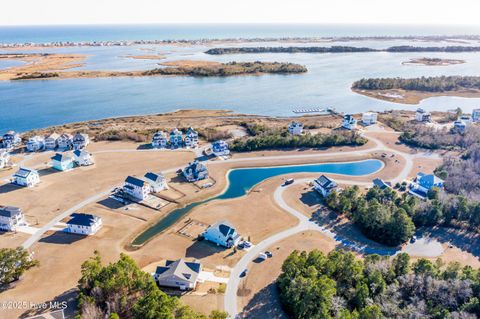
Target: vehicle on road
[413, 239]
[288, 181]
[245, 244]
[244, 272]
[262, 256]
[269, 254]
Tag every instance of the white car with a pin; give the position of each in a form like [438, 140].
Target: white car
[262, 256]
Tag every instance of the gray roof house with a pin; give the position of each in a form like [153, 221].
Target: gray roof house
[178, 274]
[324, 185]
[10, 218]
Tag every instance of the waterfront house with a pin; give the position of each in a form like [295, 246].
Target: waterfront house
[83, 224]
[295, 128]
[369, 118]
[80, 141]
[4, 158]
[220, 148]
[26, 177]
[82, 158]
[349, 122]
[459, 126]
[157, 181]
[159, 140]
[467, 119]
[423, 183]
[476, 115]
[191, 138]
[176, 138]
[62, 162]
[195, 171]
[51, 141]
[324, 185]
[11, 139]
[136, 188]
[64, 141]
[36, 143]
[422, 115]
[178, 274]
[222, 233]
[11, 217]
[380, 183]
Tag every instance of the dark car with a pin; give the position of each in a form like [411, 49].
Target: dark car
[269, 254]
[244, 273]
[289, 181]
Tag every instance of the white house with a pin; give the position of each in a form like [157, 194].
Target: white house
[157, 181]
[51, 141]
[369, 118]
[349, 122]
[220, 148]
[191, 138]
[178, 274]
[82, 158]
[476, 115]
[195, 171]
[11, 217]
[4, 158]
[36, 143]
[222, 233]
[459, 126]
[295, 128]
[26, 177]
[159, 140]
[83, 224]
[467, 119]
[80, 141]
[324, 185]
[422, 115]
[64, 141]
[176, 138]
[11, 139]
[423, 183]
[136, 188]
[62, 162]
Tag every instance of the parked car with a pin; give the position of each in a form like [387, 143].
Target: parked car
[289, 181]
[269, 254]
[262, 256]
[246, 244]
[413, 239]
[244, 272]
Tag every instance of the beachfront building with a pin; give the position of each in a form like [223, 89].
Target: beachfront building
[220, 148]
[295, 128]
[178, 274]
[82, 158]
[11, 217]
[51, 141]
[222, 233]
[36, 143]
[64, 141]
[136, 188]
[159, 140]
[157, 181]
[83, 224]
[459, 126]
[191, 138]
[26, 177]
[423, 183]
[324, 185]
[476, 115]
[62, 162]
[11, 139]
[421, 115]
[4, 158]
[369, 118]
[195, 171]
[80, 141]
[176, 138]
[349, 122]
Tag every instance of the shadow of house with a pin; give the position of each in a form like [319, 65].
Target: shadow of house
[7, 188]
[47, 171]
[145, 146]
[66, 300]
[179, 178]
[264, 304]
[202, 249]
[310, 198]
[111, 203]
[62, 238]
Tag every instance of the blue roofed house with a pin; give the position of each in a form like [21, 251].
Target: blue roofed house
[176, 138]
[65, 141]
[82, 158]
[11, 217]
[178, 274]
[324, 185]
[80, 140]
[349, 122]
[26, 177]
[11, 139]
[159, 140]
[295, 128]
[136, 188]
[83, 224]
[157, 181]
[195, 171]
[191, 138]
[220, 148]
[380, 183]
[222, 233]
[62, 162]
[423, 183]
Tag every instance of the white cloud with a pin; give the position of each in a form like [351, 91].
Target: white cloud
[239, 11]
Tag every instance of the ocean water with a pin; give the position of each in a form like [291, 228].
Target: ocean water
[26, 105]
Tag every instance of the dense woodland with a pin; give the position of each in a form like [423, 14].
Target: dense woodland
[231, 68]
[123, 290]
[263, 137]
[339, 285]
[423, 84]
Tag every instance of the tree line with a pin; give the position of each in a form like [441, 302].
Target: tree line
[339, 285]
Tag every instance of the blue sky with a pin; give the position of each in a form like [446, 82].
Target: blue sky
[239, 11]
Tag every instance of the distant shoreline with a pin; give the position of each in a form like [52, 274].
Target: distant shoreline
[433, 62]
[413, 97]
